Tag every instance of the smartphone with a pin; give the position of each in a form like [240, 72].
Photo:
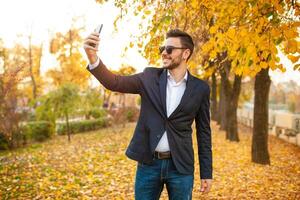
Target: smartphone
[98, 30]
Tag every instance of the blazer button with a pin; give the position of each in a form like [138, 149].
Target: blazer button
[157, 136]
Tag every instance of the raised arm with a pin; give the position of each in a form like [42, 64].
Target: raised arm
[111, 81]
[118, 83]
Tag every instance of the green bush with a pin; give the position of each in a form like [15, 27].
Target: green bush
[97, 113]
[82, 126]
[3, 142]
[132, 114]
[38, 130]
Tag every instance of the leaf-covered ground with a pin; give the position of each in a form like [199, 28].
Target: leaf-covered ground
[94, 166]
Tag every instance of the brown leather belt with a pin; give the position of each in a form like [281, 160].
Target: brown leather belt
[162, 155]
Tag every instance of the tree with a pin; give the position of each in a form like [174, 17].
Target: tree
[251, 32]
[66, 100]
[66, 48]
[91, 99]
[125, 71]
[10, 78]
[34, 64]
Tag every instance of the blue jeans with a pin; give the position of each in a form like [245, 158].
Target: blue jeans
[150, 180]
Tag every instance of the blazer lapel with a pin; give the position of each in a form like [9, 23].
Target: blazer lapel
[190, 84]
[163, 89]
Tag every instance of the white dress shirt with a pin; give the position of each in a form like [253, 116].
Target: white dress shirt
[173, 96]
[94, 65]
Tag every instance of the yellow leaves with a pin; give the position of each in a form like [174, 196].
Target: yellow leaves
[291, 46]
[139, 8]
[275, 32]
[294, 59]
[261, 22]
[232, 53]
[231, 33]
[263, 65]
[207, 47]
[54, 46]
[291, 33]
[297, 11]
[59, 170]
[281, 68]
[195, 3]
[131, 44]
[252, 74]
[140, 44]
[257, 68]
[147, 12]
[213, 54]
[296, 67]
[273, 50]
[238, 71]
[272, 64]
[243, 32]
[213, 29]
[265, 55]
[278, 7]
[251, 50]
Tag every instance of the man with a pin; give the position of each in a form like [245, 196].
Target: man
[171, 99]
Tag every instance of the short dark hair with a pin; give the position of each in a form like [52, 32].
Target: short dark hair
[185, 39]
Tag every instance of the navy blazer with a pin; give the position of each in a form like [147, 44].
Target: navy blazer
[153, 120]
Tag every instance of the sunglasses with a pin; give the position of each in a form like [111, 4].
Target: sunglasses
[169, 49]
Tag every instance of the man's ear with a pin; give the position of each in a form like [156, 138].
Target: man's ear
[187, 54]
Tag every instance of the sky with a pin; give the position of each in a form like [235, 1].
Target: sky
[45, 17]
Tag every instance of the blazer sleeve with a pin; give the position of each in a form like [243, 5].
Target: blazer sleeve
[118, 83]
[203, 132]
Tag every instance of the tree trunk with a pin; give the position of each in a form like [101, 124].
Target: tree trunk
[68, 126]
[34, 90]
[104, 96]
[230, 94]
[260, 153]
[224, 103]
[214, 107]
[220, 108]
[232, 128]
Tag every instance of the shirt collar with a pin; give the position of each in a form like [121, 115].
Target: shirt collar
[184, 78]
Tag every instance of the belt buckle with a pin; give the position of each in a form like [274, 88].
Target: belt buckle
[158, 155]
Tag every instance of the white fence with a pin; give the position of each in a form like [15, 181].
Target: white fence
[281, 124]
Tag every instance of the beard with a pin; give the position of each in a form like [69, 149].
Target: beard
[174, 63]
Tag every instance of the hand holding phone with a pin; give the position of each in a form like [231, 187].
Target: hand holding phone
[98, 30]
[90, 44]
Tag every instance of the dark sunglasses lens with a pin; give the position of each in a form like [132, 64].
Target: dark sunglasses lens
[169, 50]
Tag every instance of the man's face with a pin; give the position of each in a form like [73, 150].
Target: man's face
[174, 59]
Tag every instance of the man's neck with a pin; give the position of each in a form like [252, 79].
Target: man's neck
[178, 72]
